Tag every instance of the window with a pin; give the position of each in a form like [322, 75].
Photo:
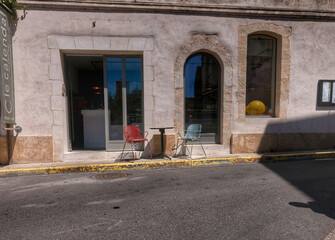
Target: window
[202, 84]
[124, 94]
[261, 75]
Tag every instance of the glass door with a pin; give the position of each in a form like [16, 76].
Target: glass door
[202, 94]
[123, 98]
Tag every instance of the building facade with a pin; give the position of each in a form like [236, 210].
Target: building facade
[251, 73]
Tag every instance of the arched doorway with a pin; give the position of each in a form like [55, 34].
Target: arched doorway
[202, 76]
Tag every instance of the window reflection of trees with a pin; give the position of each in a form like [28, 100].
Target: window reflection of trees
[115, 104]
[202, 76]
[261, 60]
[133, 86]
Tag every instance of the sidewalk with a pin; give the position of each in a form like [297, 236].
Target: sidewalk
[110, 165]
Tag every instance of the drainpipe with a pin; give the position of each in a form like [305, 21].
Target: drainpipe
[9, 129]
[9, 144]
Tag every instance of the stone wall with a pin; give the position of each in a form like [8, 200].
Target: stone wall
[165, 41]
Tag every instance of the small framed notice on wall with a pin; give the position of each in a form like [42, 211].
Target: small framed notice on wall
[326, 93]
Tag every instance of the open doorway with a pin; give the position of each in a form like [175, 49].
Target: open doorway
[85, 93]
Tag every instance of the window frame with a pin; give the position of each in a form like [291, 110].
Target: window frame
[283, 34]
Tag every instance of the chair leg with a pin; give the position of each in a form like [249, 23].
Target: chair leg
[123, 150]
[203, 148]
[132, 149]
[191, 150]
[187, 149]
[149, 150]
[175, 154]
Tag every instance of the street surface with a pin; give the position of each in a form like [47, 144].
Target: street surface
[287, 200]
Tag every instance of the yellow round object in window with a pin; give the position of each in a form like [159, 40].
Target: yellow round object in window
[255, 108]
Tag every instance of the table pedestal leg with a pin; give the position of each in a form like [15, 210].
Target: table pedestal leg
[162, 144]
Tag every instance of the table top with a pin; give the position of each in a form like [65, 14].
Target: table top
[162, 128]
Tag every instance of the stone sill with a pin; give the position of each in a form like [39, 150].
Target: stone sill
[186, 8]
[261, 120]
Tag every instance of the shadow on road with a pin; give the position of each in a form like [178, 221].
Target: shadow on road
[325, 208]
[315, 178]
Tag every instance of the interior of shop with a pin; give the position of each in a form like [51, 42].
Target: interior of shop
[84, 90]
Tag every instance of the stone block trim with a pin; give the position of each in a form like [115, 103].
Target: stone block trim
[3, 150]
[211, 45]
[282, 34]
[27, 149]
[89, 44]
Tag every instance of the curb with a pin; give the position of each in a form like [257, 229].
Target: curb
[161, 164]
[110, 167]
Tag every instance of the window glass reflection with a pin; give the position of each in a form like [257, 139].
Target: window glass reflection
[124, 90]
[261, 72]
[114, 82]
[134, 91]
[202, 77]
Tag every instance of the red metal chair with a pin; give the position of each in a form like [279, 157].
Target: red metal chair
[132, 135]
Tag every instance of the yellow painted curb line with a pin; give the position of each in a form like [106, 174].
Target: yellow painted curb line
[161, 164]
[276, 157]
[110, 167]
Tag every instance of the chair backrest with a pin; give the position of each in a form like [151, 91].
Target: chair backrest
[193, 131]
[131, 132]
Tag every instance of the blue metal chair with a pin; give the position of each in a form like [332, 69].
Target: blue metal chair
[192, 134]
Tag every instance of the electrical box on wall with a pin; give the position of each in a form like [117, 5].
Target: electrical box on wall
[326, 93]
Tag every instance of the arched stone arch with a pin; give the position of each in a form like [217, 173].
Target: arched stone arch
[209, 44]
[282, 34]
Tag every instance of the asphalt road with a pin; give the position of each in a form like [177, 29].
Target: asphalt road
[287, 200]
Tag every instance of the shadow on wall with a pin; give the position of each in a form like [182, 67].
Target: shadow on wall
[315, 178]
[4, 151]
[298, 135]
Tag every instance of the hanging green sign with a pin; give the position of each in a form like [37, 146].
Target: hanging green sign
[6, 69]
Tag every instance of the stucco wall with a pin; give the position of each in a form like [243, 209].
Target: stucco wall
[311, 55]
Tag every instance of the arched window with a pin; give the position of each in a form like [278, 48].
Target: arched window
[202, 94]
[261, 75]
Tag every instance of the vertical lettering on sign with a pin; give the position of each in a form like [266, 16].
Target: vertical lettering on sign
[6, 70]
